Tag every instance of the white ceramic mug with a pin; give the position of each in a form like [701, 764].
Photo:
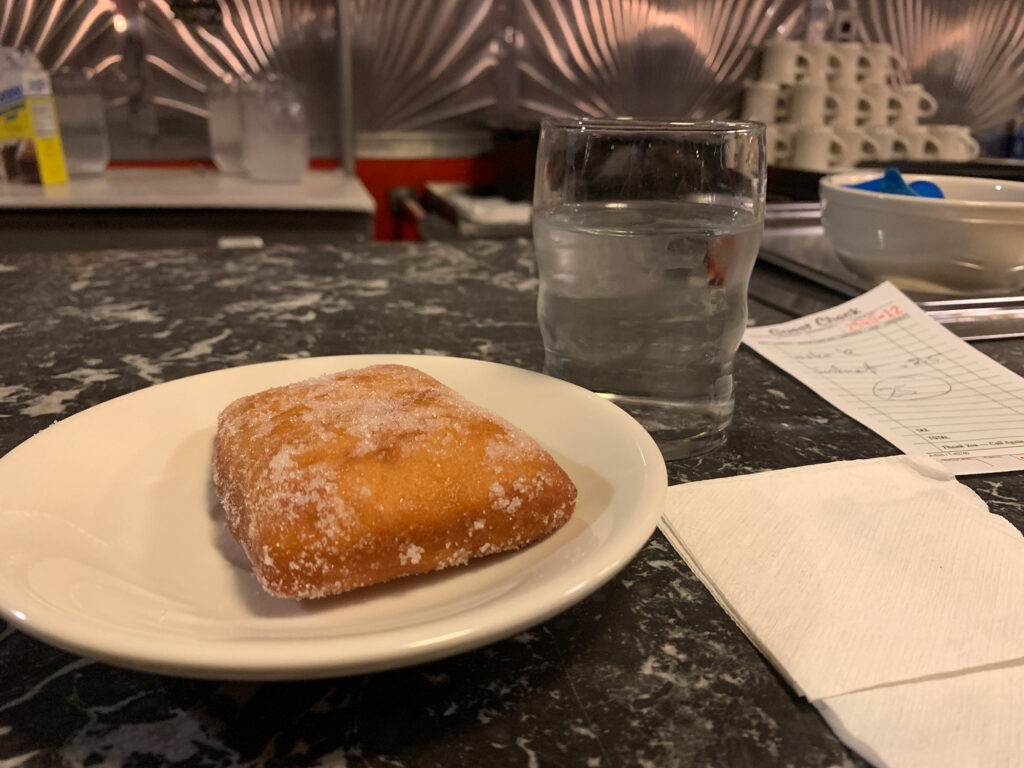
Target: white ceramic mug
[792, 61]
[886, 67]
[860, 146]
[821, 65]
[852, 64]
[817, 148]
[915, 102]
[884, 108]
[783, 61]
[921, 145]
[852, 106]
[765, 102]
[955, 142]
[812, 104]
[778, 144]
[890, 144]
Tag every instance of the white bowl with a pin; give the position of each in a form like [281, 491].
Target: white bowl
[971, 242]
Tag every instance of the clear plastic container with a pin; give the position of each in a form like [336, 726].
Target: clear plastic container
[275, 133]
[83, 124]
[224, 102]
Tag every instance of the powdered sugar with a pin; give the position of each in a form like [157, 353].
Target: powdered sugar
[410, 554]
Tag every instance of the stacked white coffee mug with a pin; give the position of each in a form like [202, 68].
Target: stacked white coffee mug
[831, 105]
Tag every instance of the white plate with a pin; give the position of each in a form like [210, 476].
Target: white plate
[112, 543]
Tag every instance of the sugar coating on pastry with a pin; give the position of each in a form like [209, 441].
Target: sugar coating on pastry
[363, 476]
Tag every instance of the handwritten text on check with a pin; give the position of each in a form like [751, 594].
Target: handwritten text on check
[883, 361]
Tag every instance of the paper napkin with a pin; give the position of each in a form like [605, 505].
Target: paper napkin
[971, 719]
[862, 581]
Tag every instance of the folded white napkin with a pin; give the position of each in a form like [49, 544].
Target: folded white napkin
[961, 720]
[883, 590]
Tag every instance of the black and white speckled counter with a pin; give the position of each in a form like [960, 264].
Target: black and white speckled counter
[648, 671]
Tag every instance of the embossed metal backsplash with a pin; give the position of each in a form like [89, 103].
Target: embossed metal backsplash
[969, 54]
[426, 64]
[155, 58]
[643, 57]
[690, 57]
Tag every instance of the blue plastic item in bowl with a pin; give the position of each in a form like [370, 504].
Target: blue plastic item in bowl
[892, 183]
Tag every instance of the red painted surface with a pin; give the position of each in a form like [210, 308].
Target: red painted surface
[381, 176]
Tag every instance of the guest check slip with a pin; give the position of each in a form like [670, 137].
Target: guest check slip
[883, 361]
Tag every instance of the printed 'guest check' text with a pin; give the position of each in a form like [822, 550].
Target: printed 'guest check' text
[883, 361]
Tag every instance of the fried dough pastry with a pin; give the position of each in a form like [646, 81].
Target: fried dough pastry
[363, 476]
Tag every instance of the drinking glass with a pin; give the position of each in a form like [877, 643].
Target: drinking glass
[275, 133]
[224, 102]
[83, 124]
[645, 235]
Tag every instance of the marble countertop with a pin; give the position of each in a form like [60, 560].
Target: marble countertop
[196, 187]
[648, 671]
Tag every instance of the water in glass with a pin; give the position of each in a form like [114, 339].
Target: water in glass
[223, 100]
[644, 302]
[83, 124]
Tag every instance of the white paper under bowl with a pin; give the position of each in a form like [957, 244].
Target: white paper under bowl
[971, 242]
